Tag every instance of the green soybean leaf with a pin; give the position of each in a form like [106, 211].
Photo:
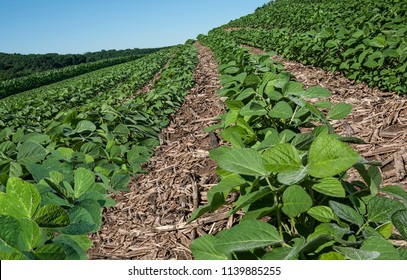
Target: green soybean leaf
[63, 153]
[396, 192]
[368, 231]
[331, 256]
[317, 243]
[98, 195]
[346, 213]
[296, 201]
[91, 149]
[385, 230]
[403, 253]
[61, 190]
[330, 187]
[340, 111]
[329, 157]
[9, 253]
[278, 82]
[51, 216]
[203, 249]
[121, 130]
[7, 146]
[201, 210]
[36, 137]
[71, 247]
[83, 241]
[303, 141]
[21, 199]
[272, 138]
[120, 182]
[375, 179]
[247, 235]
[231, 70]
[274, 95]
[85, 125]
[399, 220]
[371, 63]
[254, 108]
[282, 157]
[292, 177]
[249, 199]
[42, 170]
[252, 80]
[324, 104]
[356, 254]
[296, 249]
[84, 180]
[226, 185]
[259, 210]
[56, 177]
[358, 34]
[10, 231]
[248, 92]
[81, 222]
[15, 170]
[316, 92]
[279, 253]
[31, 152]
[380, 209]
[18, 235]
[329, 229]
[234, 135]
[94, 210]
[383, 246]
[31, 236]
[244, 161]
[293, 88]
[287, 135]
[137, 155]
[53, 251]
[323, 214]
[282, 110]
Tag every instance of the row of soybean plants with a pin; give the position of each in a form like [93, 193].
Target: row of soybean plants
[289, 169]
[366, 40]
[35, 109]
[54, 183]
[16, 85]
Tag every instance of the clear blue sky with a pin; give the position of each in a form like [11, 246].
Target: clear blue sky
[78, 26]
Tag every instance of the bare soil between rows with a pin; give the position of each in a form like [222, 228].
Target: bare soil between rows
[150, 221]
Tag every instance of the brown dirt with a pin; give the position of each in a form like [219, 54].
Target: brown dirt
[150, 221]
[149, 85]
[379, 118]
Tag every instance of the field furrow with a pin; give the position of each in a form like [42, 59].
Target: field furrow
[150, 221]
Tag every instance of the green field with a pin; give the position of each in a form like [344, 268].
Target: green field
[82, 133]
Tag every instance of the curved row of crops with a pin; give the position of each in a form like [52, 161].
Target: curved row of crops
[36, 108]
[364, 39]
[292, 185]
[53, 183]
[35, 80]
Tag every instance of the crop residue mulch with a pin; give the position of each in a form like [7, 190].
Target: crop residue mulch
[379, 118]
[150, 221]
